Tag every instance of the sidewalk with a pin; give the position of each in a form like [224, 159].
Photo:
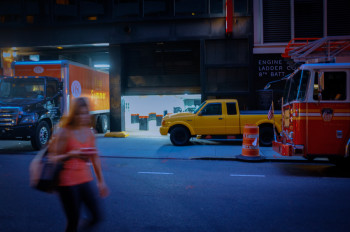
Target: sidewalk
[151, 145]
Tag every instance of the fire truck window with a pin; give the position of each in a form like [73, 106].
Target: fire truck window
[334, 86]
[298, 85]
[303, 84]
[212, 109]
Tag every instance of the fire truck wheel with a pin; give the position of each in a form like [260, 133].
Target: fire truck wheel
[266, 136]
[179, 136]
[42, 135]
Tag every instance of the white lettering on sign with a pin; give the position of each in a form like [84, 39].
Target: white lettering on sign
[38, 69]
[272, 68]
[76, 89]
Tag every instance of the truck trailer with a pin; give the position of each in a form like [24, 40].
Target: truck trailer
[33, 100]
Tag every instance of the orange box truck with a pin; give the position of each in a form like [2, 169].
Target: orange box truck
[35, 98]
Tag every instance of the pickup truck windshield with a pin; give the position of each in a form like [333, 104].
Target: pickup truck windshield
[296, 86]
[22, 88]
[198, 108]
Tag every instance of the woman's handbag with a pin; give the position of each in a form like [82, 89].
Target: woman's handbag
[44, 173]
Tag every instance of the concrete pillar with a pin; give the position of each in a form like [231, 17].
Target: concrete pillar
[117, 108]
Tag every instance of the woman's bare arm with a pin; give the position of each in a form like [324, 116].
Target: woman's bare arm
[58, 144]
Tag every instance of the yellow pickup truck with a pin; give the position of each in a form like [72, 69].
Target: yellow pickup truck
[218, 119]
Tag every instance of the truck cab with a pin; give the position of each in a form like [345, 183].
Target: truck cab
[30, 106]
[316, 112]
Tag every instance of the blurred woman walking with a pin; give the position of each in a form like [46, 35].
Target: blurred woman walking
[75, 146]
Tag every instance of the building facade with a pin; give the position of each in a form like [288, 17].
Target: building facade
[216, 48]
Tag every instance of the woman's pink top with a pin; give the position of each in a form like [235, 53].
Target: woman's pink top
[76, 171]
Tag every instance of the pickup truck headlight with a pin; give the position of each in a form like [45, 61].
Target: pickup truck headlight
[29, 118]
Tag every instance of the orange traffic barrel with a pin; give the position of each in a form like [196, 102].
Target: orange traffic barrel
[250, 144]
[143, 120]
[134, 118]
[159, 118]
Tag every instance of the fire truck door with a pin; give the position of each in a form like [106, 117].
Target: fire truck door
[326, 125]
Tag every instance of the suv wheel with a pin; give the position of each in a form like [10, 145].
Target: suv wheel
[179, 136]
[266, 136]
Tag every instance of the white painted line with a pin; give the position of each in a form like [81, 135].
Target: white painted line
[237, 175]
[157, 173]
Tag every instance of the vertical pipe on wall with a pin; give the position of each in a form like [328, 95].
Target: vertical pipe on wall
[229, 17]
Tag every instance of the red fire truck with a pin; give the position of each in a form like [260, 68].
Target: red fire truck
[316, 103]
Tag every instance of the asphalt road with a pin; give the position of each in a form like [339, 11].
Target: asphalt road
[158, 194]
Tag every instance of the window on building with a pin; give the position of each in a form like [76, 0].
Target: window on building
[241, 6]
[216, 6]
[212, 109]
[63, 2]
[276, 21]
[190, 7]
[158, 8]
[126, 8]
[92, 10]
[308, 18]
[338, 17]
[10, 11]
[225, 52]
[231, 108]
[227, 79]
[334, 86]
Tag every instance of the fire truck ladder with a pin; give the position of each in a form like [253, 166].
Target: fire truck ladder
[320, 50]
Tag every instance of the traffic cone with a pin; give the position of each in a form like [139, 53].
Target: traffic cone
[250, 145]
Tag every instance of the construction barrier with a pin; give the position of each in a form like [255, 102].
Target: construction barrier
[143, 123]
[152, 116]
[159, 119]
[250, 145]
[134, 118]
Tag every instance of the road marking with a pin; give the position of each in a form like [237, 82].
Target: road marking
[238, 175]
[157, 173]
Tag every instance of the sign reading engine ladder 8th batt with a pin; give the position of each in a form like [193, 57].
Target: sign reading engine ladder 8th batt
[270, 67]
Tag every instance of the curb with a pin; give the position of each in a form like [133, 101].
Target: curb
[121, 134]
[259, 158]
[277, 160]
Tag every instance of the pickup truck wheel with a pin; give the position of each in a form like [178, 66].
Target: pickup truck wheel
[179, 136]
[42, 135]
[102, 124]
[266, 136]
